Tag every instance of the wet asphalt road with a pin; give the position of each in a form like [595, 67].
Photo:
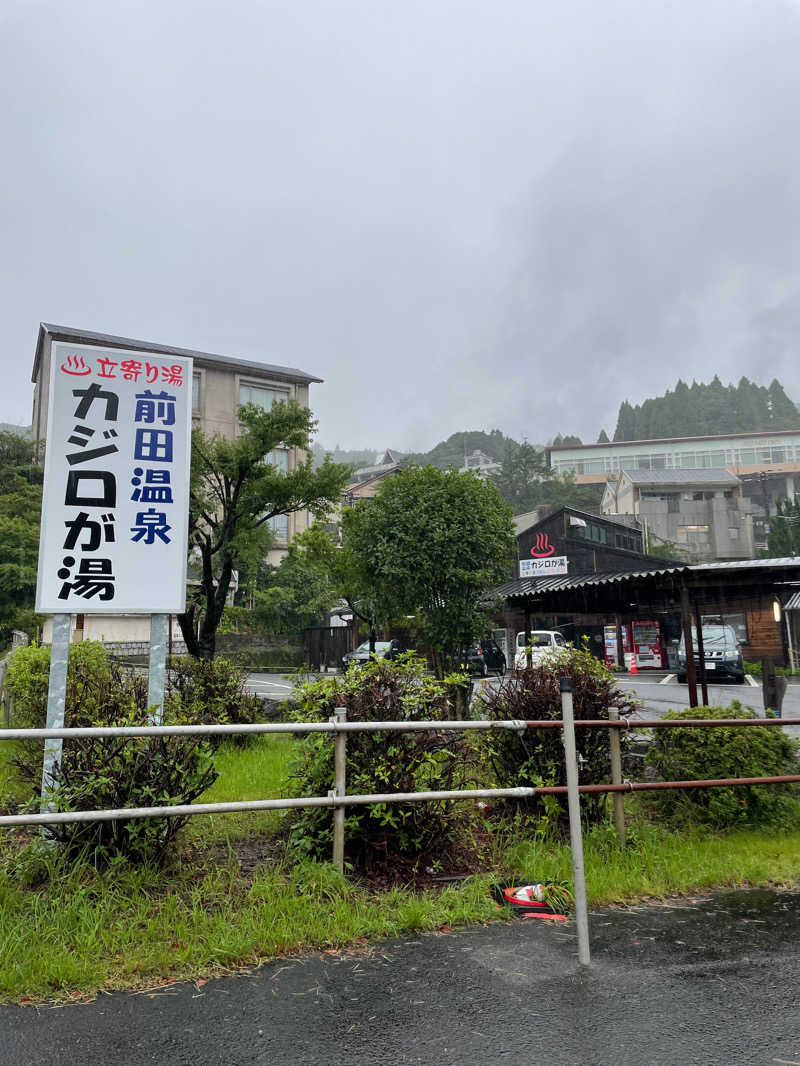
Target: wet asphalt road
[687, 984]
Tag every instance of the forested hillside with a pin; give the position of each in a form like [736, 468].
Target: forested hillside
[451, 452]
[354, 456]
[700, 410]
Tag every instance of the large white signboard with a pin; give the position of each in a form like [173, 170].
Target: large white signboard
[550, 567]
[116, 483]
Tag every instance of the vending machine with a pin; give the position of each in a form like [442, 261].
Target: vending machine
[642, 638]
[648, 644]
[610, 636]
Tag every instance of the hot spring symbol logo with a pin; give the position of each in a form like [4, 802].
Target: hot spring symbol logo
[542, 548]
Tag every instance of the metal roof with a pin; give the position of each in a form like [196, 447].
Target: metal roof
[787, 561]
[86, 336]
[793, 603]
[531, 586]
[713, 475]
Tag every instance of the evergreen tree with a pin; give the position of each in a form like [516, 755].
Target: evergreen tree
[782, 412]
[625, 423]
[783, 539]
[603, 437]
[20, 511]
[708, 410]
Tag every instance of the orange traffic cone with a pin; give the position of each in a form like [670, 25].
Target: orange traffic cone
[634, 667]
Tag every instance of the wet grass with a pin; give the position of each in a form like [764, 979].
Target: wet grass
[257, 770]
[230, 899]
[79, 931]
[13, 791]
[657, 862]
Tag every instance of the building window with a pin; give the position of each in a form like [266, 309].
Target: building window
[694, 534]
[261, 396]
[280, 527]
[279, 457]
[733, 532]
[195, 392]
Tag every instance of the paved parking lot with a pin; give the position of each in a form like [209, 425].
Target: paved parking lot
[693, 982]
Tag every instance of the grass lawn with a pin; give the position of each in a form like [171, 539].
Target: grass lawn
[231, 899]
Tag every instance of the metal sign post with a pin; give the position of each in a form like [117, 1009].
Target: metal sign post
[575, 831]
[56, 699]
[158, 665]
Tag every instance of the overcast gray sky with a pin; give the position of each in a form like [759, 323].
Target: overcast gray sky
[463, 214]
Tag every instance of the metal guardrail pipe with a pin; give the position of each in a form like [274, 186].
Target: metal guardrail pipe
[519, 792]
[261, 727]
[719, 782]
[382, 727]
[672, 723]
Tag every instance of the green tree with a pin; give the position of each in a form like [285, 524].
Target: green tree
[235, 491]
[343, 568]
[450, 453]
[297, 593]
[20, 513]
[522, 471]
[432, 543]
[708, 409]
[626, 423]
[603, 437]
[525, 481]
[782, 412]
[783, 538]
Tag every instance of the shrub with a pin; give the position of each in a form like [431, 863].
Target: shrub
[382, 762]
[29, 675]
[698, 754]
[113, 772]
[205, 691]
[536, 757]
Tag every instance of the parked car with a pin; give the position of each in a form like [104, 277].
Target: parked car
[384, 649]
[486, 657]
[543, 643]
[722, 654]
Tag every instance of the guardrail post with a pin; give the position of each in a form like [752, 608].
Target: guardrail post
[616, 775]
[339, 788]
[575, 832]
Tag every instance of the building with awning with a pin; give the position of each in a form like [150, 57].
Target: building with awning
[751, 595]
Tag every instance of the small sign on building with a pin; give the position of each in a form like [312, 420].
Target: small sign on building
[550, 567]
[115, 509]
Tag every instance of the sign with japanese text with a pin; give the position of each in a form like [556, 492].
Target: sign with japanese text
[115, 510]
[550, 567]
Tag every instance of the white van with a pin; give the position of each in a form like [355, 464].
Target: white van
[543, 642]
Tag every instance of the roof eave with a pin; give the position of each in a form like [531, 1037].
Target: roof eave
[69, 333]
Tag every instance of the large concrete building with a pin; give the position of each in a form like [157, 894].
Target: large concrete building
[702, 512]
[775, 453]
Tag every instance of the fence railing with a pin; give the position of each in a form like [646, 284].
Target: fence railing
[338, 799]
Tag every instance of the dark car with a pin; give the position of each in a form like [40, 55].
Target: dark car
[486, 657]
[384, 649]
[722, 654]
